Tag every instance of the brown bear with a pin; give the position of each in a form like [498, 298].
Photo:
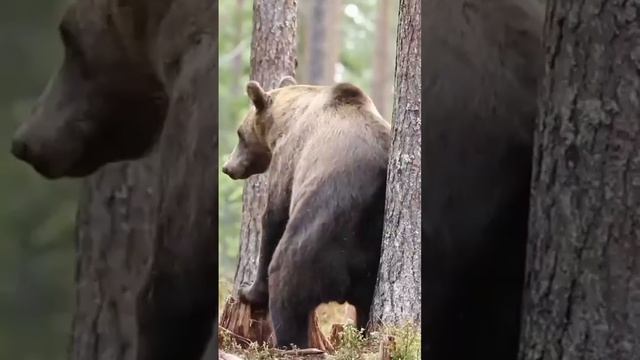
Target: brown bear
[483, 65]
[325, 150]
[139, 74]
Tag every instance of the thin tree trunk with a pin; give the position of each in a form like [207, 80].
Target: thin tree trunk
[583, 275]
[317, 44]
[322, 40]
[398, 291]
[382, 74]
[333, 45]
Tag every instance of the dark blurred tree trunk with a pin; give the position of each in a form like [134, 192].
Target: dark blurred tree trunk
[113, 243]
[398, 292]
[583, 275]
[147, 230]
[382, 68]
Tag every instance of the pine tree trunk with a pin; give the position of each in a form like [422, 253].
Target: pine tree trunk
[317, 44]
[583, 275]
[333, 26]
[321, 31]
[398, 292]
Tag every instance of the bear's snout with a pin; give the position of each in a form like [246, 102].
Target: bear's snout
[228, 172]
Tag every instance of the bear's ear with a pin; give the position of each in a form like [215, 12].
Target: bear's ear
[257, 95]
[287, 81]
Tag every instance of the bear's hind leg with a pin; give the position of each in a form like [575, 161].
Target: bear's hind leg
[290, 321]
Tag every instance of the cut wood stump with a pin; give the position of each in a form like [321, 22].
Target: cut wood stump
[317, 339]
[244, 325]
[336, 335]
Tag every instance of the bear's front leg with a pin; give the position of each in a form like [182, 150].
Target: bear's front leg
[274, 222]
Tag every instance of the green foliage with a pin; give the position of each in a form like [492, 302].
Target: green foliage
[407, 344]
[352, 344]
[36, 216]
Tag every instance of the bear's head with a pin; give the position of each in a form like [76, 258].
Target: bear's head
[252, 154]
[104, 104]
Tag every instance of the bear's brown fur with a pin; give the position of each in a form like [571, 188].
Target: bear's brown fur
[325, 149]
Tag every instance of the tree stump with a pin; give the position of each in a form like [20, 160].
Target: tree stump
[245, 325]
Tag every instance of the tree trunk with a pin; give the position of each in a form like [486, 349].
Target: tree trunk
[113, 245]
[333, 44]
[398, 292]
[323, 40]
[317, 44]
[583, 275]
[381, 90]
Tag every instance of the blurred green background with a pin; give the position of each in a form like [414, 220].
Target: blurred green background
[37, 216]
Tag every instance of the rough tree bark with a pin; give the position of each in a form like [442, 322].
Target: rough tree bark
[382, 73]
[398, 292]
[113, 245]
[582, 298]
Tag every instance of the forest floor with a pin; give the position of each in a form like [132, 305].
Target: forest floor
[350, 344]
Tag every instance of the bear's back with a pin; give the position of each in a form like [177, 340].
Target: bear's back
[329, 117]
[332, 133]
